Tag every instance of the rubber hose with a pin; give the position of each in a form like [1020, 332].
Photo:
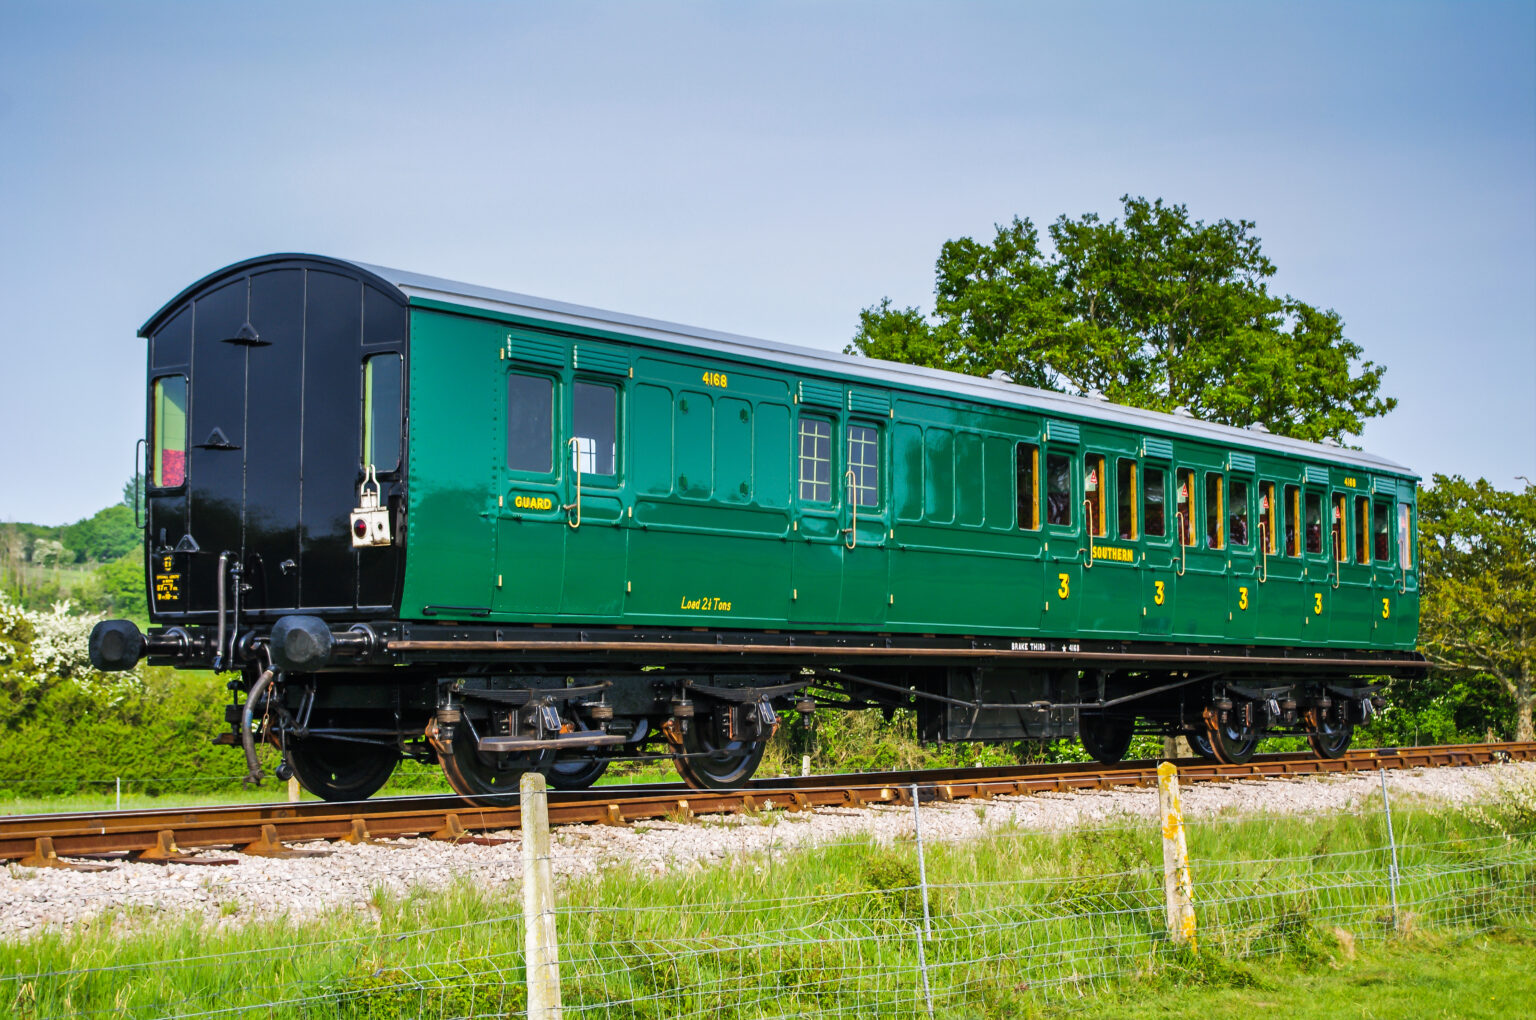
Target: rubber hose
[253, 774]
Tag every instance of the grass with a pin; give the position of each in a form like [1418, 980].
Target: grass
[1023, 924]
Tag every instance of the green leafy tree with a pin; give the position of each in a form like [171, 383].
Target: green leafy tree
[1478, 564]
[106, 535]
[1153, 310]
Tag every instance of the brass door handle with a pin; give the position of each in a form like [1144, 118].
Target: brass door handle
[574, 520]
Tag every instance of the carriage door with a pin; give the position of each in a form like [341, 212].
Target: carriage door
[1383, 564]
[1354, 609]
[866, 588]
[596, 560]
[1318, 572]
[1159, 577]
[1066, 544]
[530, 518]
[1243, 589]
[816, 532]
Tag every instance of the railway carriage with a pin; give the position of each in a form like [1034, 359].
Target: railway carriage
[418, 518]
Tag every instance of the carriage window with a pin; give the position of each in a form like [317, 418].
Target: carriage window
[1340, 533]
[1268, 513]
[815, 460]
[1125, 497]
[1058, 489]
[1094, 484]
[1362, 529]
[1155, 505]
[1185, 516]
[381, 412]
[1215, 523]
[1292, 520]
[1404, 536]
[1237, 517]
[595, 428]
[1314, 522]
[530, 422]
[864, 462]
[169, 410]
[1381, 531]
[1027, 469]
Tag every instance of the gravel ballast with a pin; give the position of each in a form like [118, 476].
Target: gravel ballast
[348, 876]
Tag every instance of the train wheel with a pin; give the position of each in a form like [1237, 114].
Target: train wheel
[706, 765]
[576, 773]
[1201, 745]
[1329, 739]
[1106, 738]
[483, 778]
[341, 770]
[1232, 743]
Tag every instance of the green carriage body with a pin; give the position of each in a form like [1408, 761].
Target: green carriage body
[701, 521]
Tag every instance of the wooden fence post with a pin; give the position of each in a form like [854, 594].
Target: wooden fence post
[541, 951]
[1176, 884]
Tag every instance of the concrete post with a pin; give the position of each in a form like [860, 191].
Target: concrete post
[1176, 884]
[293, 789]
[541, 952]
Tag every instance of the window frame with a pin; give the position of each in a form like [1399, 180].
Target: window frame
[1295, 523]
[1269, 513]
[1381, 530]
[878, 506]
[1405, 536]
[1340, 533]
[1071, 503]
[1098, 526]
[618, 426]
[1218, 540]
[1236, 505]
[1362, 531]
[1307, 500]
[1184, 481]
[156, 445]
[1019, 449]
[369, 433]
[1161, 474]
[555, 417]
[800, 461]
[1126, 502]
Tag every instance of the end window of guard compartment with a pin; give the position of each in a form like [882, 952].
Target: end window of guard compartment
[530, 423]
[382, 417]
[168, 424]
[1404, 536]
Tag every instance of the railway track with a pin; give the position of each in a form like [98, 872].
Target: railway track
[269, 829]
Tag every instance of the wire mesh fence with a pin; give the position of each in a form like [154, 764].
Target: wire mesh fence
[920, 925]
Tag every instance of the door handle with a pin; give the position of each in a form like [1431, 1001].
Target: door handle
[853, 505]
[574, 520]
[1087, 553]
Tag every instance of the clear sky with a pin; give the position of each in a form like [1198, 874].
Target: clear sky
[767, 169]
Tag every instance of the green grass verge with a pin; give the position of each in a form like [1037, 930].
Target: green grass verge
[1023, 924]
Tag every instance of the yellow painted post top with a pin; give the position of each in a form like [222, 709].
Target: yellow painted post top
[1166, 771]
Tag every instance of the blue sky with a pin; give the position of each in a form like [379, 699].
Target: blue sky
[767, 169]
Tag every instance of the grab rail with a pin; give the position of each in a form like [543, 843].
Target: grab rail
[574, 520]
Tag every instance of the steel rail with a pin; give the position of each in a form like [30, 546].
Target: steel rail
[265, 829]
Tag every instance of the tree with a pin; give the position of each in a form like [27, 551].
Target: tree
[1477, 562]
[1154, 310]
[104, 536]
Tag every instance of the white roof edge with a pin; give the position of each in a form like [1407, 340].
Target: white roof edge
[1047, 401]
